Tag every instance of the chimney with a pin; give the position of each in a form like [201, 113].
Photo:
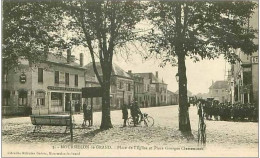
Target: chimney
[156, 74]
[81, 59]
[68, 55]
[130, 71]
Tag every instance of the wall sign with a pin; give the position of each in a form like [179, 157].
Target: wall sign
[64, 88]
[255, 60]
[23, 78]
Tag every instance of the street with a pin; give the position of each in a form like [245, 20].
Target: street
[223, 138]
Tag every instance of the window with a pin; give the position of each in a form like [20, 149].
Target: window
[4, 70]
[67, 78]
[76, 80]
[129, 99]
[22, 97]
[148, 88]
[216, 91]
[57, 77]
[40, 98]
[6, 97]
[120, 85]
[164, 98]
[40, 75]
[129, 87]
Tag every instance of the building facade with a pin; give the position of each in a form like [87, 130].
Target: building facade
[219, 91]
[45, 87]
[243, 76]
[157, 89]
[139, 91]
[172, 98]
[121, 89]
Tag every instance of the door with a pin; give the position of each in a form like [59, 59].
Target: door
[67, 101]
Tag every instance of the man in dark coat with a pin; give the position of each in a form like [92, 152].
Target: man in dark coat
[87, 115]
[125, 114]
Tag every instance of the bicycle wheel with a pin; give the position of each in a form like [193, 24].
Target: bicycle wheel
[130, 121]
[199, 136]
[204, 136]
[149, 121]
[199, 132]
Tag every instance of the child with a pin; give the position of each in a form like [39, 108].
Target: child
[125, 114]
[87, 115]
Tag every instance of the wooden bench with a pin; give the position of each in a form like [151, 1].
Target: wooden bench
[50, 120]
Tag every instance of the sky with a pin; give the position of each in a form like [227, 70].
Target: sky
[200, 74]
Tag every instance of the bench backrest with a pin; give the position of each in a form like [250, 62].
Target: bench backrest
[50, 120]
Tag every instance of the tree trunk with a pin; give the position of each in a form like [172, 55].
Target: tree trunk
[184, 120]
[106, 118]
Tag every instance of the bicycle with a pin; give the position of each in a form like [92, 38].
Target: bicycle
[147, 120]
[202, 131]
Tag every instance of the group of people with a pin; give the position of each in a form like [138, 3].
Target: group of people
[227, 111]
[135, 113]
[134, 110]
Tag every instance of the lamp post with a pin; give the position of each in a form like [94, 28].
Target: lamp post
[177, 77]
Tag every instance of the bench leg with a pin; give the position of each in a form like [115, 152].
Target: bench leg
[37, 128]
[67, 127]
[34, 130]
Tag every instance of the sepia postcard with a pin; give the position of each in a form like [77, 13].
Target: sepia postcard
[112, 78]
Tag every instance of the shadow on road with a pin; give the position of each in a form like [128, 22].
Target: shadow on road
[92, 134]
[188, 135]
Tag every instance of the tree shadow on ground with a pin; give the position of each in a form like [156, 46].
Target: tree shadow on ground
[92, 134]
[188, 135]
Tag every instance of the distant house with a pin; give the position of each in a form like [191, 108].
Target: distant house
[189, 93]
[158, 89]
[172, 98]
[219, 91]
[121, 89]
[139, 89]
[202, 95]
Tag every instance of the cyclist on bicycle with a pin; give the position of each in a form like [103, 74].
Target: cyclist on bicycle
[135, 112]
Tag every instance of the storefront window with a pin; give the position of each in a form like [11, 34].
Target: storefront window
[40, 96]
[56, 99]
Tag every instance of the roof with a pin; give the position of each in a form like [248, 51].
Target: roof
[151, 76]
[219, 85]
[170, 92]
[116, 70]
[189, 93]
[60, 59]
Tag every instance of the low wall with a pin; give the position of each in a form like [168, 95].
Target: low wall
[16, 111]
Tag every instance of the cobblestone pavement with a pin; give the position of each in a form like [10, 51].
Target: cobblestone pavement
[223, 138]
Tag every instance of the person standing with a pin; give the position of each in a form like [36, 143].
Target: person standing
[87, 115]
[133, 112]
[125, 114]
